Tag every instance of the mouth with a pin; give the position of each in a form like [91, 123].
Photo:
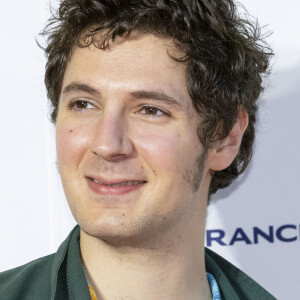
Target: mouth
[114, 187]
[133, 182]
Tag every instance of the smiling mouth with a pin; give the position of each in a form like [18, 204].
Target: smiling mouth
[116, 187]
[135, 182]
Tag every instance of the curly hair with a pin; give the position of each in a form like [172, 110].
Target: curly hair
[224, 51]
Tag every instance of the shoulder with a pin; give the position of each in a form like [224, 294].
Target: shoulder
[233, 282]
[27, 280]
[40, 278]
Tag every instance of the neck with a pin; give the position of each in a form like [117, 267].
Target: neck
[171, 268]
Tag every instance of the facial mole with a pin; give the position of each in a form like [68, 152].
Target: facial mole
[71, 131]
[123, 214]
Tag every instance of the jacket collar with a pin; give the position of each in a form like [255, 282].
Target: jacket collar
[68, 279]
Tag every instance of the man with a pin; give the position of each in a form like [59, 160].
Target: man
[154, 104]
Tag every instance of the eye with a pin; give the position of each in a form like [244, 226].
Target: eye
[152, 112]
[80, 104]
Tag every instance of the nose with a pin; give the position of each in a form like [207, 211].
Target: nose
[111, 140]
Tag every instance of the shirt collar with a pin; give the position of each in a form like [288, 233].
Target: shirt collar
[68, 279]
[67, 276]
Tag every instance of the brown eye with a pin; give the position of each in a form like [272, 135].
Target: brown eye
[80, 104]
[151, 110]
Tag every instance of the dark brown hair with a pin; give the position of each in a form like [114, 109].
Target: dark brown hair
[224, 52]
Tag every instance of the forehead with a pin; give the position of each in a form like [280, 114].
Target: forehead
[139, 61]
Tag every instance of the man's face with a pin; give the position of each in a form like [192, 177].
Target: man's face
[128, 151]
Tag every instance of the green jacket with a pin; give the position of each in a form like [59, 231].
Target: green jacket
[61, 276]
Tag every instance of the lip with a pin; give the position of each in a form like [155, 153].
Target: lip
[113, 181]
[102, 187]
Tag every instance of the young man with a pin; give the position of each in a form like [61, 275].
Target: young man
[154, 104]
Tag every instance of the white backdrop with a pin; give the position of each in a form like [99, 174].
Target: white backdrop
[34, 217]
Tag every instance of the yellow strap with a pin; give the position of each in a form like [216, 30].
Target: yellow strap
[92, 292]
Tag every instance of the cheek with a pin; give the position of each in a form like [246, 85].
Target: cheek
[71, 143]
[162, 150]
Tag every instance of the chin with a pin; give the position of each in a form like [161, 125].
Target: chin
[117, 235]
[105, 230]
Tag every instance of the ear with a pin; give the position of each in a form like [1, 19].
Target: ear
[222, 154]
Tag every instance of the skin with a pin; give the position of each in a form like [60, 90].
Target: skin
[149, 243]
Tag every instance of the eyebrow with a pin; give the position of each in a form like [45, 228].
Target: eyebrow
[139, 94]
[80, 87]
[156, 95]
